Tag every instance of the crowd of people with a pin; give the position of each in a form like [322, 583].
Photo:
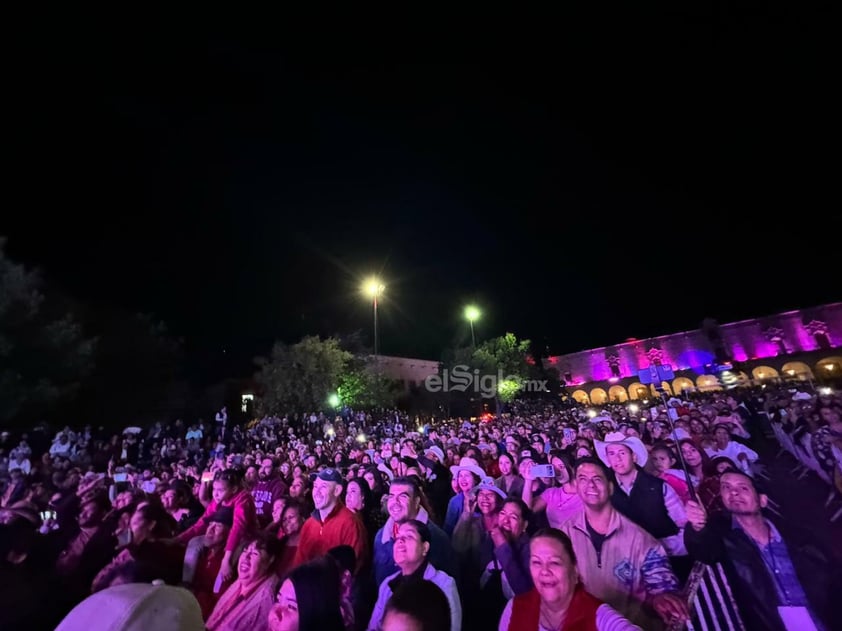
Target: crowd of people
[549, 516]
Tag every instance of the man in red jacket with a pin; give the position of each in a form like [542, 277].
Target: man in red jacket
[331, 524]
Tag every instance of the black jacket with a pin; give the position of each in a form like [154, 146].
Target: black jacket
[749, 577]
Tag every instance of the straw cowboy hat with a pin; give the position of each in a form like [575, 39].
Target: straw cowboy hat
[468, 464]
[618, 438]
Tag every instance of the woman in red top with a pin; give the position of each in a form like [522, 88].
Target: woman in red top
[558, 602]
[227, 491]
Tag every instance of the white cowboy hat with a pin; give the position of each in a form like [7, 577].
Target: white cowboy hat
[618, 438]
[468, 464]
[436, 451]
[487, 484]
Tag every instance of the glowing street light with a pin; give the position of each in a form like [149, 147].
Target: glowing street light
[373, 288]
[333, 400]
[472, 313]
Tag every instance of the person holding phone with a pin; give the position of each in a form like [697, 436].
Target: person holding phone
[561, 501]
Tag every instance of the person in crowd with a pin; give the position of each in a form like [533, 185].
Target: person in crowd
[702, 476]
[144, 557]
[404, 503]
[480, 579]
[724, 446]
[411, 548]
[560, 501]
[183, 507]
[467, 475]
[509, 481]
[646, 500]
[245, 605]
[511, 548]
[416, 605]
[360, 501]
[275, 527]
[779, 583]
[228, 491]
[268, 488]
[89, 548]
[292, 520]
[202, 579]
[436, 481]
[618, 561]
[331, 523]
[559, 600]
[309, 599]
[663, 462]
[350, 603]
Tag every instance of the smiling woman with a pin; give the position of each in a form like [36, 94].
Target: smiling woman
[559, 600]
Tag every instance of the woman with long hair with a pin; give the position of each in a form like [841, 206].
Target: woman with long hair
[560, 501]
[701, 475]
[309, 599]
[509, 481]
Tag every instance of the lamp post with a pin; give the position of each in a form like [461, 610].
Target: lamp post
[472, 313]
[374, 288]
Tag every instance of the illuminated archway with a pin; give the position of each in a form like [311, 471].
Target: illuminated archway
[829, 367]
[581, 396]
[638, 391]
[762, 373]
[708, 383]
[598, 396]
[797, 370]
[617, 394]
[680, 384]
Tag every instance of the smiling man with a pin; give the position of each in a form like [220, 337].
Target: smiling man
[331, 524]
[619, 562]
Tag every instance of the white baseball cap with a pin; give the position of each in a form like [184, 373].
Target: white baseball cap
[136, 607]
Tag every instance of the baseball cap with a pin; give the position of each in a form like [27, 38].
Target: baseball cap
[224, 515]
[528, 453]
[330, 475]
[136, 607]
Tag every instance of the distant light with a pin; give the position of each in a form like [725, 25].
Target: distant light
[591, 413]
[360, 438]
[372, 287]
[646, 400]
[472, 313]
[633, 408]
[825, 391]
[333, 400]
[613, 379]
[829, 367]
[790, 372]
[331, 432]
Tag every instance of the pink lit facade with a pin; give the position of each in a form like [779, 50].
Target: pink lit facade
[807, 335]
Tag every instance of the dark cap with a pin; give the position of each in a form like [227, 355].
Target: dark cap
[528, 453]
[330, 475]
[224, 515]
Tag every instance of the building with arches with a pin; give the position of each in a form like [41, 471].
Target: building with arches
[803, 345]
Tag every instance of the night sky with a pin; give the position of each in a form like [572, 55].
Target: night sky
[583, 182]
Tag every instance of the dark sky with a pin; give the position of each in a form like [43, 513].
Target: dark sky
[583, 181]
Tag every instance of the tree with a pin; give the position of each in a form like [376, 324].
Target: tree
[301, 377]
[506, 357]
[44, 355]
[361, 386]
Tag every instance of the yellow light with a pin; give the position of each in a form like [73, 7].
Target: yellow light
[829, 367]
[372, 287]
[472, 313]
[360, 438]
[591, 413]
[633, 408]
[790, 372]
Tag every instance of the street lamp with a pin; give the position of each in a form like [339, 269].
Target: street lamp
[472, 313]
[373, 288]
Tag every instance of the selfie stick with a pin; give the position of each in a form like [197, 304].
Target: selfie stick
[657, 375]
